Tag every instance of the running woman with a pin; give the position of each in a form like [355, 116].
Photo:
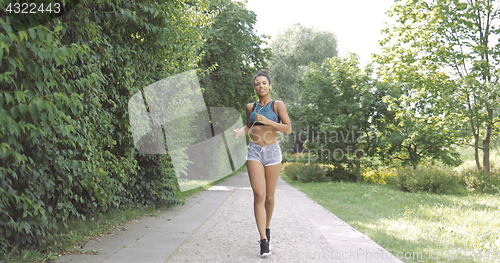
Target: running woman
[265, 119]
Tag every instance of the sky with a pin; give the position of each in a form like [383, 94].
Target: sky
[356, 23]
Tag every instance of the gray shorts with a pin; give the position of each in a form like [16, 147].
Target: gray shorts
[267, 155]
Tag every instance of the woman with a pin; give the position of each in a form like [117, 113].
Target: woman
[264, 153]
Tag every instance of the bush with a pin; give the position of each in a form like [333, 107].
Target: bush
[312, 173]
[296, 157]
[66, 149]
[291, 170]
[432, 179]
[482, 181]
[338, 173]
[381, 175]
[155, 183]
[470, 165]
[305, 173]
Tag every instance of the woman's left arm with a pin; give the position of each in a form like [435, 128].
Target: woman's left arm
[285, 126]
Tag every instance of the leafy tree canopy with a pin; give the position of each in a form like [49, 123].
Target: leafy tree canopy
[444, 55]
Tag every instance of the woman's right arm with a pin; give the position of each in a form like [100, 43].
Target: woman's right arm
[246, 129]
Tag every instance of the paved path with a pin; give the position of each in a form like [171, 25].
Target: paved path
[218, 225]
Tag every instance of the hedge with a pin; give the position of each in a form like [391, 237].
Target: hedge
[65, 143]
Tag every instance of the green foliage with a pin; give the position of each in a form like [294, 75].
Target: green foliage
[338, 173]
[443, 58]
[233, 53]
[305, 173]
[311, 173]
[414, 139]
[291, 169]
[155, 183]
[294, 48]
[347, 132]
[482, 181]
[429, 179]
[296, 157]
[65, 144]
[299, 167]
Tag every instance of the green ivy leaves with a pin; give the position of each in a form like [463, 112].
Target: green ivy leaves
[65, 143]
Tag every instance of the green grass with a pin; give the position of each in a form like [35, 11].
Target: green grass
[414, 222]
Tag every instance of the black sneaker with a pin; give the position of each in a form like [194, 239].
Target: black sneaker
[268, 234]
[264, 248]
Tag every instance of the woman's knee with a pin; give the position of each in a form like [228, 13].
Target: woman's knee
[259, 196]
[269, 199]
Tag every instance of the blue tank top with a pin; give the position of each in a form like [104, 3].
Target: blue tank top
[267, 111]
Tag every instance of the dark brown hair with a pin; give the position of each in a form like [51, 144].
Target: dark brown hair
[264, 73]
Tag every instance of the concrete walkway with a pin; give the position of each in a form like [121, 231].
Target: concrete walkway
[218, 225]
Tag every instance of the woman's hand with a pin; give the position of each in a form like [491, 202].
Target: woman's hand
[237, 133]
[262, 119]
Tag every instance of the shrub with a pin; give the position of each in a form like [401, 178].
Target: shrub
[305, 173]
[466, 166]
[67, 149]
[381, 175]
[431, 179]
[291, 170]
[338, 173]
[311, 173]
[296, 157]
[470, 165]
[155, 183]
[482, 181]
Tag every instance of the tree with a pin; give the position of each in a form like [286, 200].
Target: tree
[344, 111]
[293, 50]
[443, 54]
[234, 53]
[412, 139]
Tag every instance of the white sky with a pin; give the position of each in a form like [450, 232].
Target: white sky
[357, 23]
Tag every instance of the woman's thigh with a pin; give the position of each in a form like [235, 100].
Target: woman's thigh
[256, 173]
[272, 173]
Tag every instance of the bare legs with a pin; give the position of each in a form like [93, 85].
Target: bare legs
[263, 181]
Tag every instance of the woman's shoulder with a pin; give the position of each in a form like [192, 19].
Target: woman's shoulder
[249, 106]
[279, 103]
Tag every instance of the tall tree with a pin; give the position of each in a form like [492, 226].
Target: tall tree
[445, 52]
[293, 50]
[235, 54]
[344, 112]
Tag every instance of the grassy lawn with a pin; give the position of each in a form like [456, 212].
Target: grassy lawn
[444, 228]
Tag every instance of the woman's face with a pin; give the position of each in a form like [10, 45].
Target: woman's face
[261, 85]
